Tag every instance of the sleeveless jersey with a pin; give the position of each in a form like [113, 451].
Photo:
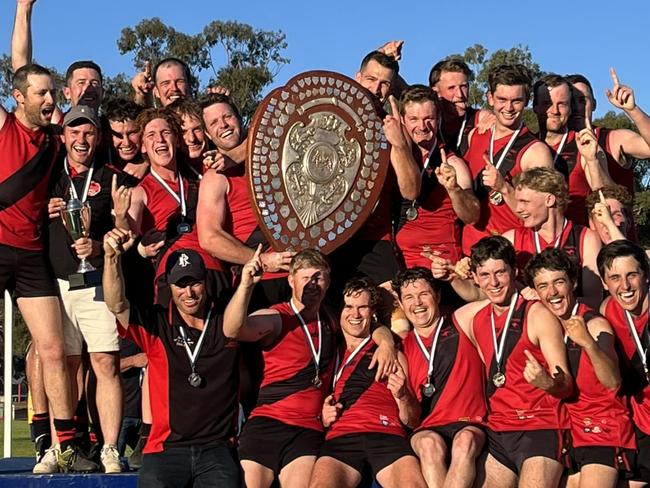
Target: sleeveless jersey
[378, 225]
[579, 188]
[163, 213]
[368, 406]
[599, 416]
[436, 225]
[494, 219]
[571, 241]
[620, 175]
[287, 393]
[450, 132]
[457, 377]
[518, 405]
[27, 162]
[635, 384]
[240, 219]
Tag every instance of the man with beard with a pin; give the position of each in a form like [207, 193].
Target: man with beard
[449, 79]
[602, 436]
[299, 340]
[542, 198]
[370, 250]
[430, 222]
[620, 145]
[86, 319]
[30, 148]
[446, 375]
[623, 266]
[499, 154]
[192, 369]
[520, 343]
[586, 171]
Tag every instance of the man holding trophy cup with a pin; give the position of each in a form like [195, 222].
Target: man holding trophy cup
[80, 214]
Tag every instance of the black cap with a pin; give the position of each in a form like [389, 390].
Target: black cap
[183, 264]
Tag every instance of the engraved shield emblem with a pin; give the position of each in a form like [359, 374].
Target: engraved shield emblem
[317, 160]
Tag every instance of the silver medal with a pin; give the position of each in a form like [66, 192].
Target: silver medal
[411, 213]
[499, 379]
[496, 198]
[184, 228]
[195, 379]
[428, 390]
[317, 382]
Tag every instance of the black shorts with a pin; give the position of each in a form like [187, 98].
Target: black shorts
[274, 444]
[376, 450]
[374, 259]
[448, 432]
[642, 471]
[512, 448]
[27, 273]
[623, 460]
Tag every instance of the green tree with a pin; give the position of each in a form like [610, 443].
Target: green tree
[252, 56]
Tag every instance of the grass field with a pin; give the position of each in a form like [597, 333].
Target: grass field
[21, 446]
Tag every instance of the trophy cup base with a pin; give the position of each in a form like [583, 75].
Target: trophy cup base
[90, 279]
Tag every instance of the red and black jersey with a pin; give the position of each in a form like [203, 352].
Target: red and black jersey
[368, 405]
[182, 414]
[494, 219]
[635, 383]
[163, 213]
[599, 416]
[287, 392]
[457, 376]
[27, 160]
[450, 131]
[241, 221]
[378, 225]
[436, 225]
[620, 175]
[517, 405]
[571, 240]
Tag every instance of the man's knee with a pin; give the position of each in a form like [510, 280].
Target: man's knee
[467, 444]
[105, 364]
[430, 447]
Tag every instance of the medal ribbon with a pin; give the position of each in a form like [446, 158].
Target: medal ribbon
[315, 353]
[429, 355]
[506, 149]
[498, 349]
[180, 197]
[643, 353]
[89, 175]
[339, 372]
[424, 169]
[460, 132]
[573, 312]
[556, 244]
[560, 147]
[193, 355]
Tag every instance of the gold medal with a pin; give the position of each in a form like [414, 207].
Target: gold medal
[499, 379]
[496, 198]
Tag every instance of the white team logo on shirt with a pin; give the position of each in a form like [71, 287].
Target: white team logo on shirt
[184, 260]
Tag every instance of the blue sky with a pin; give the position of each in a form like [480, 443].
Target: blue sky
[568, 36]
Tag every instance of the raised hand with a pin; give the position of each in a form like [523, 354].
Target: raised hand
[491, 176]
[587, 142]
[117, 242]
[441, 268]
[620, 96]
[446, 173]
[142, 82]
[276, 261]
[392, 49]
[121, 198]
[252, 270]
[577, 331]
[218, 90]
[217, 161]
[393, 126]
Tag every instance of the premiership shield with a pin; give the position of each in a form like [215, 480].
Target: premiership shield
[317, 161]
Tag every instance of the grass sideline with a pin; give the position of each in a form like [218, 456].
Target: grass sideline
[22, 445]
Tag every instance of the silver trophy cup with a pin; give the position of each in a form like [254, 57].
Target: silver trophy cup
[76, 219]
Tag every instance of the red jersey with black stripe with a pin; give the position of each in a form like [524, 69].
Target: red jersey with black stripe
[579, 188]
[287, 392]
[241, 221]
[457, 376]
[368, 405]
[494, 219]
[28, 157]
[451, 131]
[436, 225]
[620, 175]
[571, 240]
[635, 383]
[517, 405]
[163, 213]
[184, 415]
[599, 416]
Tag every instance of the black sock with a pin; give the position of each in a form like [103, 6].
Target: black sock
[65, 431]
[144, 430]
[40, 424]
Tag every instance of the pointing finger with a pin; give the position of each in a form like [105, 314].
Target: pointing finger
[258, 251]
[114, 184]
[602, 197]
[614, 76]
[443, 155]
[530, 357]
[393, 106]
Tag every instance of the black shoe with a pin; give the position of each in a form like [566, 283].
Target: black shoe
[71, 460]
[42, 443]
[135, 458]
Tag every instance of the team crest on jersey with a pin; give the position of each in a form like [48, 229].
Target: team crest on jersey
[94, 188]
[515, 323]
[570, 250]
[383, 420]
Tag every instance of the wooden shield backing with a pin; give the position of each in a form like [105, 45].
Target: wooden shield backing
[317, 161]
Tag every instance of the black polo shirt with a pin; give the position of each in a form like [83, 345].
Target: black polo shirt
[182, 414]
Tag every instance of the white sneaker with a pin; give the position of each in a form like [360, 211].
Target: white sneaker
[110, 459]
[48, 463]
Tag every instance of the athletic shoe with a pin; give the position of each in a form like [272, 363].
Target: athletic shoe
[47, 464]
[71, 460]
[135, 459]
[110, 459]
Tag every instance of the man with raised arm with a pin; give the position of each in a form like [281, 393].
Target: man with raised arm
[299, 345]
[499, 154]
[575, 153]
[192, 368]
[446, 375]
[30, 146]
[602, 435]
[526, 369]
